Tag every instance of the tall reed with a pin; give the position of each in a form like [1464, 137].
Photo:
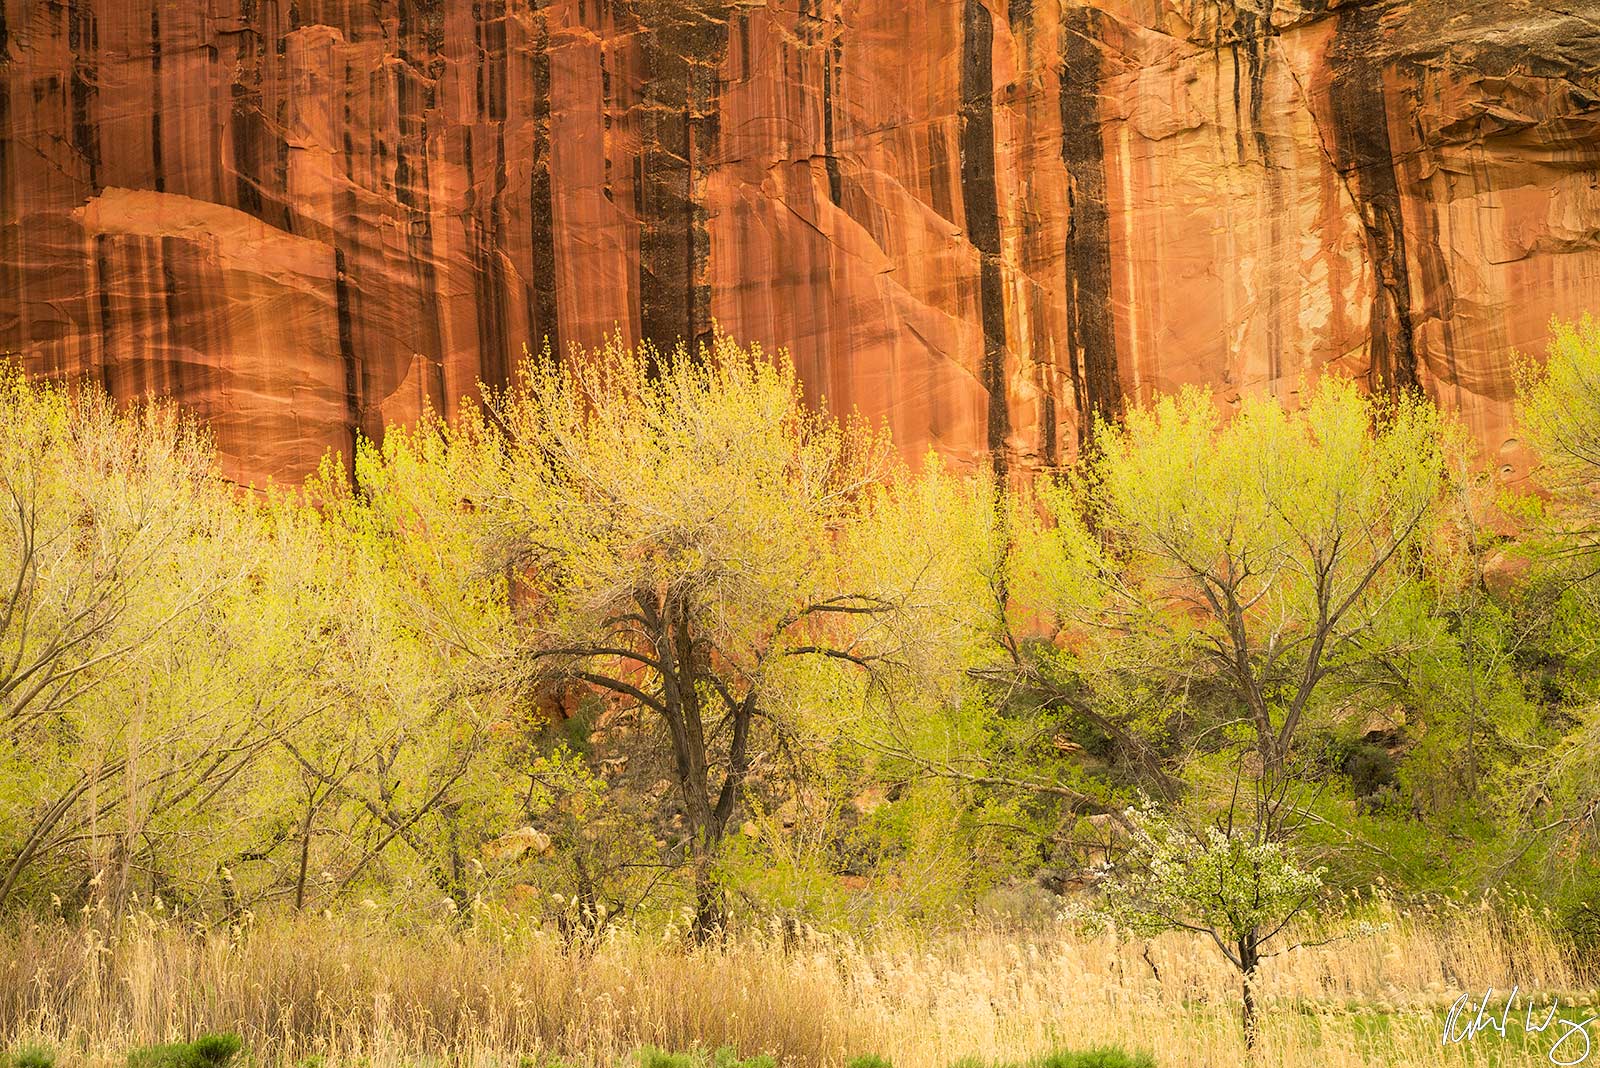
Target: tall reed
[362, 990]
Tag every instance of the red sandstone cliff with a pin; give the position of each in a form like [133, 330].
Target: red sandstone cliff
[979, 219]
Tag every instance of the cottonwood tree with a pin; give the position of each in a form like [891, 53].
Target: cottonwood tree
[1557, 798]
[1559, 407]
[396, 778]
[1214, 584]
[671, 526]
[1211, 587]
[121, 551]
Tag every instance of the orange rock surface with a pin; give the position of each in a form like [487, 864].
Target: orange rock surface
[977, 220]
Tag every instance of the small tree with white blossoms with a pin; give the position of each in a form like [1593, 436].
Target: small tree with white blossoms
[1239, 886]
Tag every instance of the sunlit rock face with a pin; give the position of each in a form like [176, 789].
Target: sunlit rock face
[979, 221]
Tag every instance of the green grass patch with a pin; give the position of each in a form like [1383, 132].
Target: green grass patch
[1099, 1057]
[207, 1051]
[31, 1057]
[726, 1057]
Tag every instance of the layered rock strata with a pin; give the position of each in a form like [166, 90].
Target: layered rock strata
[983, 222]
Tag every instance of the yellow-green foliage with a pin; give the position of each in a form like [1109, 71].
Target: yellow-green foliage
[1265, 554]
[130, 709]
[461, 578]
[646, 628]
[704, 478]
[496, 700]
[686, 533]
[1560, 409]
[1558, 790]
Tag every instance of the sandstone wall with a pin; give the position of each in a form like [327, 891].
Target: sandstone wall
[979, 220]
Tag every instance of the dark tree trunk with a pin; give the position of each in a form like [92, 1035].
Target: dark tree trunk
[710, 913]
[305, 851]
[1249, 961]
[708, 808]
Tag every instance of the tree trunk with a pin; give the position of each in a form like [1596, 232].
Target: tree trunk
[305, 853]
[682, 664]
[1249, 1011]
[1249, 961]
[710, 915]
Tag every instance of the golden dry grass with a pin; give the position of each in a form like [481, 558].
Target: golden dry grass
[359, 991]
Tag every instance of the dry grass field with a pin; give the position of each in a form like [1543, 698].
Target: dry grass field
[359, 992]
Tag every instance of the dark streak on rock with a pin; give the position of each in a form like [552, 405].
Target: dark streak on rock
[489, 265]
[605, 118]
[1021, 17]
[177, 323]
[347, 163]
[981, 200]
[246, 120]
[482, 58]
[545, 311]
[1047, 429]
[260, 145]
[499, 351]
[102, 263]
[1254, 29]
[1365, 160]
[1238, 105]
[421, 21]
[84, 45]
[156, 162]
[5, 126]
[1091, 341]
[347, 351]
[492, 41]
[415, 96]
[683, 45]
[285, 208]
[830, 62]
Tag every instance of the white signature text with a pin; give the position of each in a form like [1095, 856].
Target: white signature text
[1569, 1038]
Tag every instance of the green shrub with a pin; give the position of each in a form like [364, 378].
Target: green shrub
[207, 1051]
[650, 1057]
[33, 1057]
[1102, 1057]
[726, 1057]
[1370, 768]
[869, 1060]
[173, 1055]
[213, 1051]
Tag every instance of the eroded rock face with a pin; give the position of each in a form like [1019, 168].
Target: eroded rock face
[979, 220]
